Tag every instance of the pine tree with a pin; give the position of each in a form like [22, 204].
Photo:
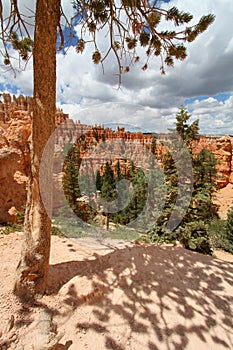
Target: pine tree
[139, 193]
[154, 145]
[98, 181]
[205, 170]
[187, 132]
[121, 191]
[143, 19]
[108, 190]
[229, 230]
[119, 175]
[192, 229]
[71, 183]
[70, 179]
[135, 187]
[205, 176]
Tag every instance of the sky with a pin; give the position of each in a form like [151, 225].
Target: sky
[147, 100]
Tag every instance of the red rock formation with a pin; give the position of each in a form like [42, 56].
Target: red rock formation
[231, 173]
[14, 163]
[222, 148]
[15, 131]
[12, 183]
[20, 103]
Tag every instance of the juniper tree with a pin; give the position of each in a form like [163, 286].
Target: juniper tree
[129, 25]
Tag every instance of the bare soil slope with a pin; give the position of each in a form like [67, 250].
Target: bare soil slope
[224, 199]
[137, 297]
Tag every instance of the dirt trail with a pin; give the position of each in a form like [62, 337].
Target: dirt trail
[136, 297]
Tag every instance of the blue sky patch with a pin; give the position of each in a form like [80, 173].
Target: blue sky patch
[12, 89]
[222, 97]
[70, 39]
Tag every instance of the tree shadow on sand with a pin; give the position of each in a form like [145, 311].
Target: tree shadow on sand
[163, 297]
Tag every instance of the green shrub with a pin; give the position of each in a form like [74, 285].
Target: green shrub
[20, 214]
[194, 236]
[6, 230]
[220, 233]
[217, 234]
[9, 227]
[160, 234]
[229, 230]
[56, 231]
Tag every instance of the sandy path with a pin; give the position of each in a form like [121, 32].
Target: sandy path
[137, 297]
[224, 199]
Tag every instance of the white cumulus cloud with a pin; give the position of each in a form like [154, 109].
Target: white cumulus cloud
[206, 72]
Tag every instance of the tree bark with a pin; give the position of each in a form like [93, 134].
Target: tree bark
[32, 270]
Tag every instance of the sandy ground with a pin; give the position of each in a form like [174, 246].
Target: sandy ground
[135, 297]
[224, 199]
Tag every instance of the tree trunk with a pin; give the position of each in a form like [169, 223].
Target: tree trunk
[107, 221]
[32, 269]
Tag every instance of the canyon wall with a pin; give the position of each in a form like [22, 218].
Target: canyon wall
[15, 131]
[220, 146]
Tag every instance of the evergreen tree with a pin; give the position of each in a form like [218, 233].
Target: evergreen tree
[205, 170]
[98, 181]
[140, 192]
[154, 145]
[71, 182]
[108, 178]
[192, 229]
[70, 179]
[205, 175]
[187, 132]
[131, 195]
[229, 230]
[16, 33]
[136, 187]
[108, 190]
[118, 171]
[122, 189]
[153, 152]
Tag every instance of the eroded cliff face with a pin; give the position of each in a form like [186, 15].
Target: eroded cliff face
[15, 131]
[14, 163]
[231, 173]
[222, 148]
